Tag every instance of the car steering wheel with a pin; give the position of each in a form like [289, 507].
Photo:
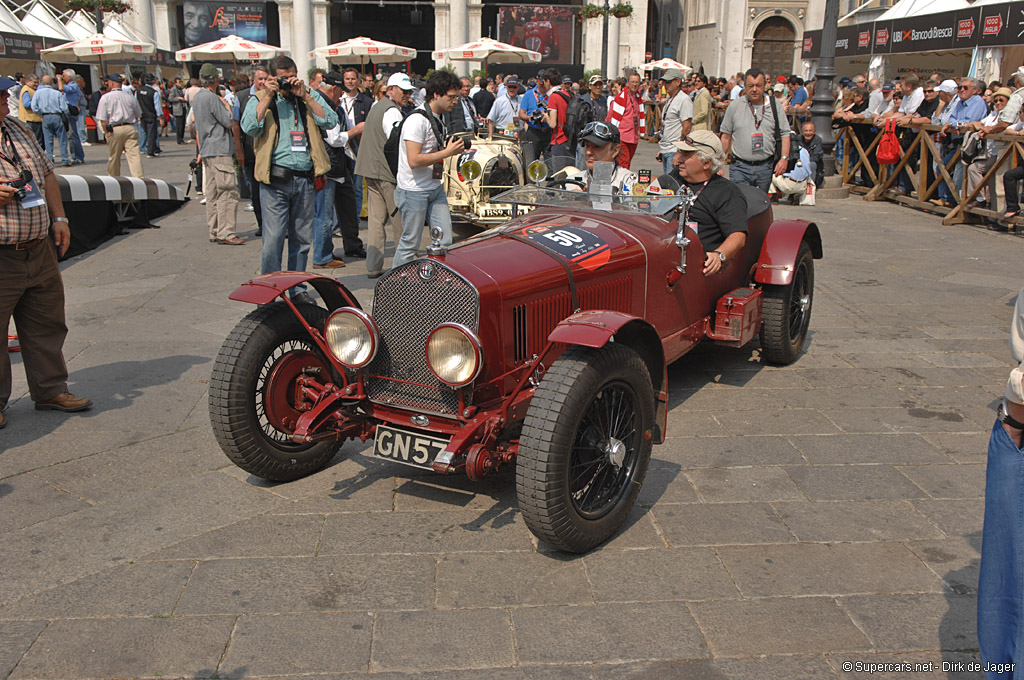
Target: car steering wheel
[567, 180]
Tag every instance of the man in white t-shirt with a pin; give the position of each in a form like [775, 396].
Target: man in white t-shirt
[421, 153]
[676, 117]
[504, 114]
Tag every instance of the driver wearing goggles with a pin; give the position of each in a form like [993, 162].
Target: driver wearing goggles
[601, 142]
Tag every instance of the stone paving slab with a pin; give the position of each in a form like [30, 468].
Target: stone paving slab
[797, 518]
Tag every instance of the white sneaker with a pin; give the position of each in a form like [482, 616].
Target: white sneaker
[249, 208]
[86, 144]
[202, 202]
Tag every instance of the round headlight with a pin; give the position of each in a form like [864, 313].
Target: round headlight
[454, 354]
[537, 171]
[470, 170]
[352, 337]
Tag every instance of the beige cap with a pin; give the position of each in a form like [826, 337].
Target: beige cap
[701, 140]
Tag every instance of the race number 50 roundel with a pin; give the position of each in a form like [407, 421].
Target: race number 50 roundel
[571, 243]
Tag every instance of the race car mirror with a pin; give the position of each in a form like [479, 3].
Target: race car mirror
[537, 171]
[470, 170]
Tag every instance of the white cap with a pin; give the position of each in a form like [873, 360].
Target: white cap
[401, 80]
[947, 86]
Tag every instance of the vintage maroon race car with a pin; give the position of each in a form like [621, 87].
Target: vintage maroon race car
[545, 341]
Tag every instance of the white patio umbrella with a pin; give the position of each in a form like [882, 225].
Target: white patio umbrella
[664, 65]
[233, 46]
[94, 47]
[485, 50]
[363, 50]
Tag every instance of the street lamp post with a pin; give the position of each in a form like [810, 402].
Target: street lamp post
[822, 103]
[606, 72]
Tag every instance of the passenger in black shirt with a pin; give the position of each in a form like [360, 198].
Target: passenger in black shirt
[720, 210]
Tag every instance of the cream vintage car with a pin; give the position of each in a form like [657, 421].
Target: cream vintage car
[490, 166]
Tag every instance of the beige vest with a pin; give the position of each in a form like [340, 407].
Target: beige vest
[27, 115]
[263, 146]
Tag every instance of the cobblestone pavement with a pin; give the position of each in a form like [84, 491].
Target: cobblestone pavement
[797, 518]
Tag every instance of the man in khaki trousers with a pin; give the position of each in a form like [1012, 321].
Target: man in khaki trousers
[213, 122]
[116, 114]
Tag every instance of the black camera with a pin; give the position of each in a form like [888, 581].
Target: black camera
[284, 85]
[192, 164]
[19, 184]
[538, 115]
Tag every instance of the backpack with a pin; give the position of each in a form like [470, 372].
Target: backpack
[395, 138]
[577, 114]
[888, 151]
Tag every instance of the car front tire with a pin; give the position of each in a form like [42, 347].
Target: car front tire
[787, 312]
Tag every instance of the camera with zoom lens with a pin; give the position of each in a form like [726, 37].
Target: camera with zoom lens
[19, 184]
[284, 85]
[538, 115]
[192, 164]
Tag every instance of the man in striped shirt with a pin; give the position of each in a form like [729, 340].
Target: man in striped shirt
[627, 113]
[33, 232]
[117, 114]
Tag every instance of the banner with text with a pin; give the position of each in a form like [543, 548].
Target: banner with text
[208, 21]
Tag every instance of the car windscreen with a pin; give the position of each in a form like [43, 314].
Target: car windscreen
[562, 198]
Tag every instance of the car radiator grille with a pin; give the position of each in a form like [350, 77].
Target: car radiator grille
[407, 309]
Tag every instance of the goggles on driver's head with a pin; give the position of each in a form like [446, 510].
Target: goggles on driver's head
[598, 129]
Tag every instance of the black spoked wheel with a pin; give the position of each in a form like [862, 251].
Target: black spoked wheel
[252, 389]
[787, 312]
[585, 446]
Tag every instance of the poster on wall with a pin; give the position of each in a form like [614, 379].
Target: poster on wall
[207, 21]
[548, 30]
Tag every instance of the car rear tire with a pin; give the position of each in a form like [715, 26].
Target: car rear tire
[787, 312]
[249, 387]
[585, 446]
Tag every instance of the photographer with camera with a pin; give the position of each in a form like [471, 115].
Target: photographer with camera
[33, 233]
[534, 110]
[117, 114]
[289, 156]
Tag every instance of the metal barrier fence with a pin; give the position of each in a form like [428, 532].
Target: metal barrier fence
[930, 174]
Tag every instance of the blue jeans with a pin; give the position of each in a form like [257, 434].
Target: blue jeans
[83, 133]
[1000, 596]
[288, 207]
[324, 220]
[142, 136]
[958, 179]
[759, 176]
[416, 208]
[74, 141]
[53, 125]
[357, 186]
[666, 161]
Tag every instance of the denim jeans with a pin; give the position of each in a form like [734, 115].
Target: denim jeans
[53, 126]
[74, 140]
[288, 207]
[254, 192]
[324, 220]
[1000, 596]
[142, 136]
[759, 176]
[416, 208]
[666, 162]
[83, 132]
[357, 186]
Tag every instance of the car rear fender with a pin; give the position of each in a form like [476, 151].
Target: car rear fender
[265, 289]
[596, 328]
[778, 252]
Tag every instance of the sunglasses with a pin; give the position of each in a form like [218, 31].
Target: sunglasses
[599, 129]
[964, 87]
[929, 91]
[693, 142]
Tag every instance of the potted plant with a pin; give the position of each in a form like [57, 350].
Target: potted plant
[622, 10]
[591, 11]
[110, 6]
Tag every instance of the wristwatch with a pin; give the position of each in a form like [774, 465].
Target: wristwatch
[1006, 418]
[59, 219]
[721, 255]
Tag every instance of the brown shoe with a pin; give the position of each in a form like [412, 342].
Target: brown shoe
[3, 421]
[333, 264]
[67, 402]
[233, 241]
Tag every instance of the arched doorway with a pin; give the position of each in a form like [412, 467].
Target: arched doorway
[774, 43]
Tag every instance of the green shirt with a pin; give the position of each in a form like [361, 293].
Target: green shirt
[289, 121]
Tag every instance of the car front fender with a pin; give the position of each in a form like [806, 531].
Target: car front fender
[596, 328]
[265, 289]
[778, 252]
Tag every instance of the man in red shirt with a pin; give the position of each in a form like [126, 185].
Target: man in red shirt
[558, 104]
[627, 113]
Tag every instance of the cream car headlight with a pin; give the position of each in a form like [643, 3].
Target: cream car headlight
[352, 337]
[454, 354]
[537, 171]
[470, 170]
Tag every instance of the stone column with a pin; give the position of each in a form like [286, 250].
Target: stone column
[592, 44]
[302, 35]
[163, 19]
[284, 13]
[142, 17]
[474, 31]
[458, 30]
[321, 28]
[613, 68]
[442, 18]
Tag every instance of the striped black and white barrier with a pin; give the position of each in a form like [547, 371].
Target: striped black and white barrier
[99, 207]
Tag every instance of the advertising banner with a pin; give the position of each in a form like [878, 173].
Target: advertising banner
[548, 30]
[882, 43]
[928, 33]
[16, 46]
[208, 21]
[1002, 25]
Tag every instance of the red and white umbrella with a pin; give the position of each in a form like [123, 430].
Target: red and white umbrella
[664, 65]
[363, 50]
[229, 46]
[94, 47]
[485, 50]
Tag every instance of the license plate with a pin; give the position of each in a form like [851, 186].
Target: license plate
[410, 448]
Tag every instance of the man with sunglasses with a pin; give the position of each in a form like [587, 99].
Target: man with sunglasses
[968, 107]
[719, 210]
[33, 233]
